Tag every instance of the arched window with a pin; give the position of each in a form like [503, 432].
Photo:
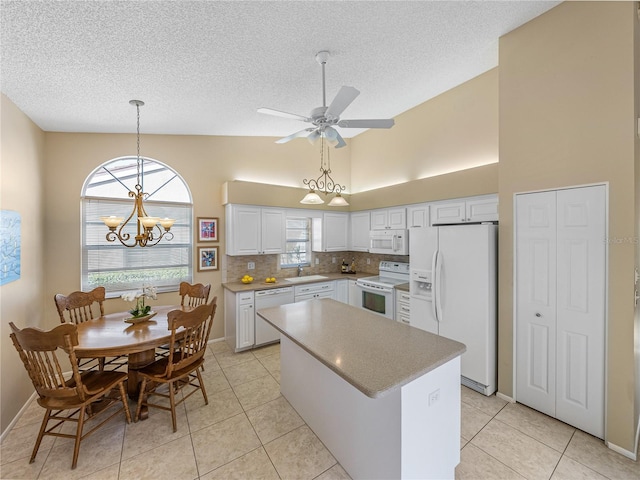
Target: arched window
[119, 268]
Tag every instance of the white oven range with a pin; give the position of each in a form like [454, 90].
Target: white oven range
[377, 294]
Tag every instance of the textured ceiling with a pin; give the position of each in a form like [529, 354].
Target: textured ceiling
[204, 67]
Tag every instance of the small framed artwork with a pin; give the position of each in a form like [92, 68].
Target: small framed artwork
[207, 258]
[207, 229]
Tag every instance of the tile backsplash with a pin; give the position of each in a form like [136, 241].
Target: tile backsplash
[268, 265]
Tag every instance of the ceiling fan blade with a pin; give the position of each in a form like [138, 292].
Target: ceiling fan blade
[278, 113]
[334, 137]
[313, 136]
[301, 133]
[343, 99]
[369, 123]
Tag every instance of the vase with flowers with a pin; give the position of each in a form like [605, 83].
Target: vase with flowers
[141, 311]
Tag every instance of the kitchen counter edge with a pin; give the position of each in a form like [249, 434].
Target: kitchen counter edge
[237, 287]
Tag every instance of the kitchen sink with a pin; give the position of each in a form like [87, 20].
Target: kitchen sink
[308, 278]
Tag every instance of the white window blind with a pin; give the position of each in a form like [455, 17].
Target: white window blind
[297, 242]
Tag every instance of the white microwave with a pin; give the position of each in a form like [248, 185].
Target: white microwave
[391, 242]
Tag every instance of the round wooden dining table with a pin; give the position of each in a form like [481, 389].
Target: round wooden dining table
[110, 336]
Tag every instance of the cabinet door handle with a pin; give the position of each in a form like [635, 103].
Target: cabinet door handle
[538, 314]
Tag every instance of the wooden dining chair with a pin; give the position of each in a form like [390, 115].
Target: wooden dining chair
[79, 307]
[194, 295]
[191, 296]
[83, 396]
[189, 336]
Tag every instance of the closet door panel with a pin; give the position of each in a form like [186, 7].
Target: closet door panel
[581, 307]
[535, 300]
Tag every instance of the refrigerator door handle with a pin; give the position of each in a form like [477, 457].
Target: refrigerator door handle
[438, 285]
[434, 290]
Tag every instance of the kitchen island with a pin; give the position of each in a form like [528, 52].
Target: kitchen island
[383, 397]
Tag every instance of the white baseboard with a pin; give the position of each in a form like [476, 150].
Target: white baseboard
[17, 417]
[622, 451]
[505, 398]
[215, 340]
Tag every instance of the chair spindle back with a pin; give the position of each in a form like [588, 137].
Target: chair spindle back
[194, 295]
[189, 335]
[37, 350]
[77, 307]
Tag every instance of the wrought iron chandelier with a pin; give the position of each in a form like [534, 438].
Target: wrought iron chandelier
[324, 183]
[149, 232]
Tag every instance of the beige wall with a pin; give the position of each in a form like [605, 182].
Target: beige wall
[454, 131]
[636, 115]
[567, 118]
[21, 187]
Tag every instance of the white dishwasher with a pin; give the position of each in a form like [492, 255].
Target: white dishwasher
[274, 297]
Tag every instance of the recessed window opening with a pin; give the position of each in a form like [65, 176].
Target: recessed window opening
[298, 243]
[119, 268]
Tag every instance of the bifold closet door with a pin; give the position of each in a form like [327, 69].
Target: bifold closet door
[535, 256]
[560, 304]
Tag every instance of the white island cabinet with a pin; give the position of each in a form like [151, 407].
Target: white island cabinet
[383, 397]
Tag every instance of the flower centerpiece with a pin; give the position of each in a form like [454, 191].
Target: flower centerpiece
[141, 311]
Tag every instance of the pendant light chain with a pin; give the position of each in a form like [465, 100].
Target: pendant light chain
[139, 162]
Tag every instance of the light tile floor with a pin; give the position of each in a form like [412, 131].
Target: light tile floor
[249, 431]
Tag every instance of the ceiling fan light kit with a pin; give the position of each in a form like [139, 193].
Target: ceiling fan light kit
[324, 183]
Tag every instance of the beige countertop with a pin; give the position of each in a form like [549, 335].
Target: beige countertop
[374, 354]
[403, 286]
[260, 285]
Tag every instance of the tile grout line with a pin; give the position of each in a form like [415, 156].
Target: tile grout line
[482, 450]
[244, 412]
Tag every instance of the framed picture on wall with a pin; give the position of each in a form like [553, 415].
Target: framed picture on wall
[207, 229]
[207, 258]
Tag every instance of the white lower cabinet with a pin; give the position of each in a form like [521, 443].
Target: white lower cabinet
[239, 320]
[403, 307]
[342, 290]
[560, 304]
[354, 294]
[314, 290]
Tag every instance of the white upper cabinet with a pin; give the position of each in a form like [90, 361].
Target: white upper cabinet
[254, 230]
[483, 209]
[330, 232]
[360, 226]
[273, 230]
[418, 215]
[389, 219]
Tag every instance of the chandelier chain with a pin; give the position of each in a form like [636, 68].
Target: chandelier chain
[148, 228]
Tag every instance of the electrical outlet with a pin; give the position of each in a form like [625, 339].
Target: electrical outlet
[317, 261]
[333, 260]
[368, 261]
[434, 397]
[251, 266]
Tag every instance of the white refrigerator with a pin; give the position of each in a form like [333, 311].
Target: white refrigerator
[453, 291]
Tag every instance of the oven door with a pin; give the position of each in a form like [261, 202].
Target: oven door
[376, 299]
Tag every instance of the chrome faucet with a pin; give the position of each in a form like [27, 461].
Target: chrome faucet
[299, 270]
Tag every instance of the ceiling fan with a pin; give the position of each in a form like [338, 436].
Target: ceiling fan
[325, 119]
